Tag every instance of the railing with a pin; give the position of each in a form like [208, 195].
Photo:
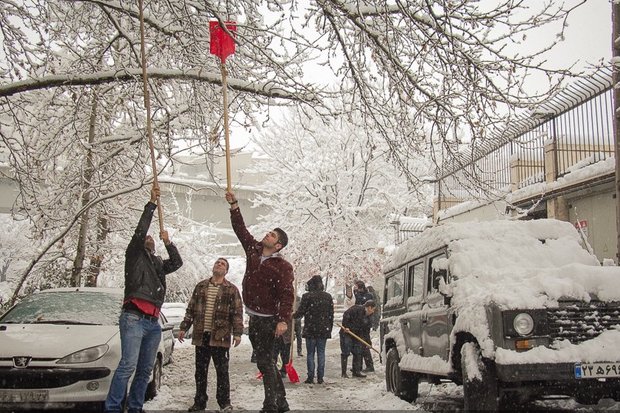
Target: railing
[573, 130]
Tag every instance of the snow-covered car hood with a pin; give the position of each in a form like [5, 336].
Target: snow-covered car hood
[50, 340]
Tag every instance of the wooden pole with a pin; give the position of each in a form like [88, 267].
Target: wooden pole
[615, 42]
[226, 131]
[147, 105]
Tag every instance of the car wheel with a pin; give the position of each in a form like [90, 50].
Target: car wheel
[155, 384]
[584, 398]
[401, 383]
[480, 389]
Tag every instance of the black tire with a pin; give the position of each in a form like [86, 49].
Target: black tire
[155, 384]
[480, 391]
[587, 399]
[401, 383]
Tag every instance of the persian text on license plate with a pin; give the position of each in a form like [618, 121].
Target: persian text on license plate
[597, 370]
[23, 396]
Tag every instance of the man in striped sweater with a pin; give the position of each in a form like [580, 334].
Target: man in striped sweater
[216, 312]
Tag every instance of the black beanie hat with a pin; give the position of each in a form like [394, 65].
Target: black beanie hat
[315, 283]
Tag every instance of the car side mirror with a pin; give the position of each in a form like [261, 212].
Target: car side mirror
[443, 288]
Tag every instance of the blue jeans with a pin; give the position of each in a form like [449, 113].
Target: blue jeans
[318, 345]
[140, 338]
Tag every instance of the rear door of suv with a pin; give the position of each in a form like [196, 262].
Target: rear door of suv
[411, 321]
[436, 323]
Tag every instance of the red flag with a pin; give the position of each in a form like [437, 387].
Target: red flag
[222, 44]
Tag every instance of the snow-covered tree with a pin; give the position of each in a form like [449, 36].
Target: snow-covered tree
[72, 108]
[331, 187]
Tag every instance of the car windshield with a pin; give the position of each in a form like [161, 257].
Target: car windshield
[67, 307]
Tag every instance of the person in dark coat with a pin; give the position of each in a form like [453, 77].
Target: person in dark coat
[145, 289]
[298, 327]
[268, 295]
[317, 309]
[362, 295]
[376, 317]
[355, 320]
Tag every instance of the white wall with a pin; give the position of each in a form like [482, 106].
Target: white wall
[190, 189]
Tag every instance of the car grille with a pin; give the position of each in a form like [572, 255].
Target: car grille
[578, 323]
[47, 378]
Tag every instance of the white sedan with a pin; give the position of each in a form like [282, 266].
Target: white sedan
[59, 348]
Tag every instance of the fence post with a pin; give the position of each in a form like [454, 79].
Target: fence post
[615, 42]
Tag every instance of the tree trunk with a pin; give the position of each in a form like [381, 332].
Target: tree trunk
[78, 263]
[96, 259]
[5, 269]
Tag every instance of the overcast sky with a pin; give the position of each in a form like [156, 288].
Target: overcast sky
[589, 34]
[587, 41]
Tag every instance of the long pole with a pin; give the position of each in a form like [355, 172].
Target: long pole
[226, 131]
[615, 41]
[147, 104]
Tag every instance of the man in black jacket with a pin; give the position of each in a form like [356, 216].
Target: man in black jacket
[317, 308]
[357, 321]
[145, 289]
[363, 294]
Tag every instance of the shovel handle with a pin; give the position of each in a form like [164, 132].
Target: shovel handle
[226, 127]
[358, 338]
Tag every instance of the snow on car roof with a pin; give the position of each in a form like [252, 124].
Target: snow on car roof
[506, 262]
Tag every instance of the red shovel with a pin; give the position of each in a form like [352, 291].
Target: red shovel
[290, 370]
[222, 45]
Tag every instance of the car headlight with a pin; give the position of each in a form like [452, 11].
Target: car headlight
[523, 324]
[85, 356]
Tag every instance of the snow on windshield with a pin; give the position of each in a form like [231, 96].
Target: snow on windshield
[67, 306]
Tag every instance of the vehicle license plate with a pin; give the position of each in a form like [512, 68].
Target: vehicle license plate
[596, 370]
[23, 396]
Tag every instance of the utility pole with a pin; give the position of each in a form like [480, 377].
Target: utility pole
[615, 34]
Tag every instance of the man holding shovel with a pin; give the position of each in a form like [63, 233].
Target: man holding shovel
[355, 322]
[268, 295]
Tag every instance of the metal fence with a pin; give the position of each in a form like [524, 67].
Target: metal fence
[577, 124]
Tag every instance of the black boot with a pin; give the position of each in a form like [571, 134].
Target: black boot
[367, 358]
[357, 366]
[343, 366]
[197, 407]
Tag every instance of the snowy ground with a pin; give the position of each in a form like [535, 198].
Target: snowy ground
[368, 394]
[247, 391]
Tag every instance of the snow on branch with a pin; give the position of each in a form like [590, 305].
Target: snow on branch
[266, 89]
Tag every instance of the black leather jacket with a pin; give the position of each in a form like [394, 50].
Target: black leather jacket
[145, 273]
